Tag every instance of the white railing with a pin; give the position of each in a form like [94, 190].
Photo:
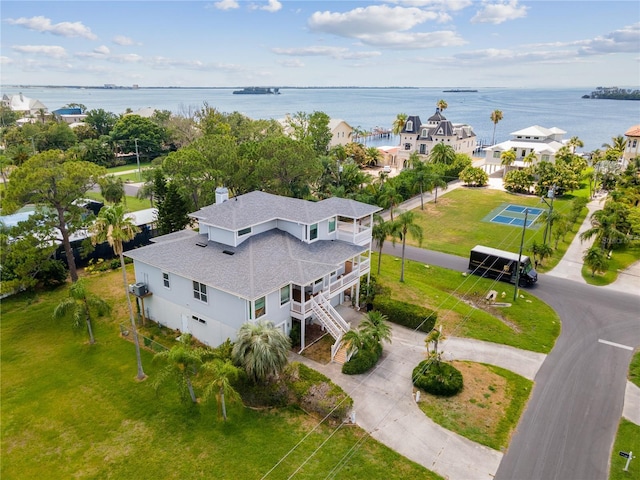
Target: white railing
[335, 347]
[326, 320]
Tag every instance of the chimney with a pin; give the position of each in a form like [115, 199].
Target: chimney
[222, 194]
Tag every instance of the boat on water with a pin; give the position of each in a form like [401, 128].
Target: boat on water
[257, 91]
[459, 90]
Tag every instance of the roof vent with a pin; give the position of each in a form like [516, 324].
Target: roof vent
[201, 244]
[228, 252]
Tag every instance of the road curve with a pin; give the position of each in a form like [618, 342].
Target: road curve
[568, 427]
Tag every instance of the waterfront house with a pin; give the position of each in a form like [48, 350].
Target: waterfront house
[421, 137]
[341, 132]
[632, 150]
[543, 142]
[23, 105]
[71, 116]
[257, 256]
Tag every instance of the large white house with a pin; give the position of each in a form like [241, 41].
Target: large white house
[257, 256]
[542, 142]
[341, 131]
[421, 137]
[632, 149]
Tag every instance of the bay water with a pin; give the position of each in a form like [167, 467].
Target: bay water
[593, 121]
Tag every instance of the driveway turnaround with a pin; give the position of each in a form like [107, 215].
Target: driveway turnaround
[384, 402]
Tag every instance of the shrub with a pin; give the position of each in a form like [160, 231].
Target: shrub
[406, 314]
[361, 362]
[437, 378]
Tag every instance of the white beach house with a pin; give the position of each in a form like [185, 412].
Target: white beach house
[257, 256]
[422, 137]
[543, 142]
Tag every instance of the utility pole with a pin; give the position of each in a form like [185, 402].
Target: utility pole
[138, 160]
[524, 229]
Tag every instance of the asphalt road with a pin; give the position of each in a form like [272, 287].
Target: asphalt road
[568, 427]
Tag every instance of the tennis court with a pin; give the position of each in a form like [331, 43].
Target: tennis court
[514, 215]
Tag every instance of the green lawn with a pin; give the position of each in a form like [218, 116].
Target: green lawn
[634, 369]
[132, 204]
[71, 410]
[454, 225]
[528, 323]
[128, 166]
[627, 439]
[620, 259]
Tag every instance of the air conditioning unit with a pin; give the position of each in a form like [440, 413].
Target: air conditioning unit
[139, 289]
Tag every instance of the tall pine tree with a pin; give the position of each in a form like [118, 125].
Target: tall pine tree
[172, 211]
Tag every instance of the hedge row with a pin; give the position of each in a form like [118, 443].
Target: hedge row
[406, 314]
[362, 361]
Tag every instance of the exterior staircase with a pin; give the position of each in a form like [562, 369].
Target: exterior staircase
[332, 321]
[341, 356]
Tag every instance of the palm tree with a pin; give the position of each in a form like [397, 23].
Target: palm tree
[421, 173]
[530, 158]
[413, 160]
[373, 155]
[435, 336]
[357, 340]
[389, 198]
[574, 143]
[595, 259]
[618, 145]
[375, 325]
[79, 304]
[442, 153]
[605, 228]
[506, 159]
[403, 226]
[496, 116]
[381, 230]
[435, 181]
[222, 372]
[261, 349]
[441, 105]
[112, 226]
[182, 363]
[398, 125]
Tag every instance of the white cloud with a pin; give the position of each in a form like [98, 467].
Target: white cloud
[272, 6]
[444, 5]
[625, 40]
[64, 29]
[369, 21]
[102, 50]
[226, 5]
[497, 13]
[323, 51]
[292, 63]
[123, 41]
[125, 58]
[414, 41]
[52, 51]
[6, 60]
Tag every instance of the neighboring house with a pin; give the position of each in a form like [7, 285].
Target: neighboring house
[145, 112]
[70, 116]
[543, 142]
[632, 149]
[23, 105]
[341, 132]
[257, 256]
[421, 138]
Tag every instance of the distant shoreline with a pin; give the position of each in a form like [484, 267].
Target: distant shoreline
[97, 87]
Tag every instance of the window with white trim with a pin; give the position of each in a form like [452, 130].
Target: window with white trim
[199, 320]
[244, 231]
[285, 294]
[332, 224]
[200, 291]
[165, 280]
[313, 231]
[260, 307]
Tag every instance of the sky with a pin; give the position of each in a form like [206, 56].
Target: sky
[367, 43]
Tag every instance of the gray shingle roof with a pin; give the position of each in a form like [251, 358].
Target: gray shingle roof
[258, 207]
[260, 265]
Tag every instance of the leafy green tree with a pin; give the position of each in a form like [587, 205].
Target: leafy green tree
[173, 211]
[79, 305]
[112, 189]
[261, 350]
[101, 120]
[442, 154]
[519, 181]
[357, 152]
[58, 136]
[221, 373]
[7, 116]
[182, 364]
[188, 167]
[96, 150]
[149, 136]
[85, 132]
[608, 227]
[389, 198]
[48, 180]
[405, 225]
[596, 260]
[474, 176]
[113, 227]
[496, 117]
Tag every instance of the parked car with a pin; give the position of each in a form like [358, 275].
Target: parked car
[386, 169]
